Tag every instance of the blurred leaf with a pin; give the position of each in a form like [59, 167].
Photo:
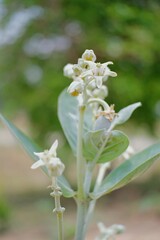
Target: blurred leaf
[95, 147]
[128, 170]
[124, 114]
[30, 147]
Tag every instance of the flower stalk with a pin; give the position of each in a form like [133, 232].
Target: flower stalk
[58, 209]
[55, 168]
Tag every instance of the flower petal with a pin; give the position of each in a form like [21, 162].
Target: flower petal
[53, 148]
[99, 81]
[68, 70]
[37, 164]
[39, 154]
[112, 74]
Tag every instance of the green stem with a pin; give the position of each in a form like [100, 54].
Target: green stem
[81, 214]
[100, 101]
[60, 225]
[80, 159]
[58, 209]
[81, 165]
[92, 204]
[88, 178]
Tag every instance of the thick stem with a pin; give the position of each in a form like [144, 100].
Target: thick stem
[81, 165]
[80, 159]
[81, 214]
[92, 204]
[88, 178]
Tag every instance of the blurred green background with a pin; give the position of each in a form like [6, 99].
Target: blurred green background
[37, 39]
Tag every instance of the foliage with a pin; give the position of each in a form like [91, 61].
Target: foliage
[32, 58]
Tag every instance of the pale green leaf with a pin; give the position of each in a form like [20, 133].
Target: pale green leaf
[68, 117]
[30, 147]
[124, 114]
[94, 147]
[128, 170]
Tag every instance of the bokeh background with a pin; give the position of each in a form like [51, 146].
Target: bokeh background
[37, 38]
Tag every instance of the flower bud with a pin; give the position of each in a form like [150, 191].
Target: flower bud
[89, 55]
[55, 167]
[68, 70]
[76, 87]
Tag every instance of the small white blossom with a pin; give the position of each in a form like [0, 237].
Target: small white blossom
[76, 87]
[101, 92]
[68, 70]
[86, 65]
[101, 73]
[49, 159]
[107, 233]
[107, 71]
[77, 70]
[89, 55]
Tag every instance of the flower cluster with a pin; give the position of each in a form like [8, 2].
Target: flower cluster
[88, 76]
[49, 159]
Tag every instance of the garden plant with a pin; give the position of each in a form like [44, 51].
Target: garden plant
[90, 126]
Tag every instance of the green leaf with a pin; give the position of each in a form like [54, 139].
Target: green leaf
[95, 147]
[124, 114]
[68, 117]
[30, 147]
[129, 170]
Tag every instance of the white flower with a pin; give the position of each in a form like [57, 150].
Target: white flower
[85, 64]
[55, 167]
[107, 71]
[76, 87]
[89, 55]
[49, 159]
[101, 92]
[77, 70]
[68, 70]
[101, 73]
